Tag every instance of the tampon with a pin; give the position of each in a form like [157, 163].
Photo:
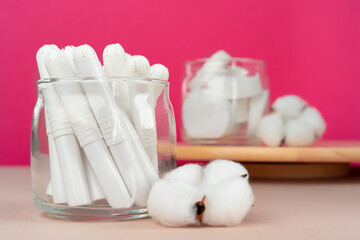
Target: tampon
[68, 53]
[88, 132]
[113, 66]
[158, 71]
[257, 108]
[72, 168]
[142, 105]
[57, 183]
[68, 154]
[114, 58]
[109, 117]
[55, 170]
[95, 190]
[111, 71]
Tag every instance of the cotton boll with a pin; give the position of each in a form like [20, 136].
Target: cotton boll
[289, 106]
[189, 173]
[271, 129]
[299, 133]
[227, 202]
[222, 170]
[173, 203]
[312, 116]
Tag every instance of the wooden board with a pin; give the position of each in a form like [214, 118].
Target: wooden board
[321, 152]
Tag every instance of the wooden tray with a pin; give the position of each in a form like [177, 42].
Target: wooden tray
[323, 159]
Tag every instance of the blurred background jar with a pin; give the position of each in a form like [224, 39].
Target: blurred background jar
[224, 99]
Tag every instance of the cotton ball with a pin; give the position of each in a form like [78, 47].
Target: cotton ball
[227, 202]
[173, 203]
[312, 116]
[299, 133]
[290, 106]
[189, 173]
[271, 129]
[222, 170]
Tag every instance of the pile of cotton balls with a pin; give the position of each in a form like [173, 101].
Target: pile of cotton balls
[216, 195]
[292, 122]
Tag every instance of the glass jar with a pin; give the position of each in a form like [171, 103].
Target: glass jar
[98, 144]
[223, 101]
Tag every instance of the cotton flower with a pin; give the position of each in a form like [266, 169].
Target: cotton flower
[217, 195]
[292, 122]
[289, 106]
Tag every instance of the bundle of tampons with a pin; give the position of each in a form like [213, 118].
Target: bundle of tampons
[100, 148]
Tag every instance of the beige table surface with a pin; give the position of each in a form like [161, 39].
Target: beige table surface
[326, 209]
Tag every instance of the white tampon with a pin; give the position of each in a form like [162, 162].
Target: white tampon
[95, 190]
[114, 58]
[40, 59]
[142, 105]
[88, 133]
[58, 191]
[57, 183]
[112, 125]
[149, 169]
[68, 53]
[72, 168]
[158, 71]
[257, 108]
[70, 165]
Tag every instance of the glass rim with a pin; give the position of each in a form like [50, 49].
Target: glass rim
[233, 59]
[86, 78]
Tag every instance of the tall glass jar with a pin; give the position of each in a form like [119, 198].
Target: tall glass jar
[98, 144]
[223, 101]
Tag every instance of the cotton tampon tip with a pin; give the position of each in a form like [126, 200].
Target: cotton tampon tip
[138, 66]
[159, 71]
[83, 51]
[87, 62]
[40, 58]
[113, 50]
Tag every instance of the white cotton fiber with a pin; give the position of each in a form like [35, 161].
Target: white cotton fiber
[172, 203]
[312, 116]
[227, 202]
[222, 184]
[222, 170]
[271, 129]
[189, 173]
[299, 133]
[289, 106]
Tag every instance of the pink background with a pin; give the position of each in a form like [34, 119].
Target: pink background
[312, 49]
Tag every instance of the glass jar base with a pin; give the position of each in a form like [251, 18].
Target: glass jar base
[91, 213]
